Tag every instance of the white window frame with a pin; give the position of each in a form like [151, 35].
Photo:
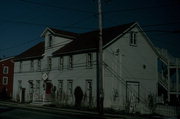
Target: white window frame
[5, 70]
[32, 65]
[88, 84]
[60, 85]
[70, 65]
[19, 84]
[89, 90]
[50, 40]
[61, 63]
[38, 83]
[49, 63]
[31, 86]
[5, 80]
[39, 65]
[20, 66]
[70, 87]
[133, 38]
[89, 60]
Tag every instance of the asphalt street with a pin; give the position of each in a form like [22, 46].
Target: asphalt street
[14, 113]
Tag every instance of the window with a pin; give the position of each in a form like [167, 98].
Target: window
[20, 66]
[61, 65]
[133, 39]
[70, 62]
[19, 84]
[39, 65]
[37, 84]
[60, 90]
[89, 85]
[32, 65]
[49, 63]
[60, 85]
[89, 60]
[31, 90]
[89, 92]
[30, 84]
[70, 87]
[50, 41]
[5, 69]
[5, 81]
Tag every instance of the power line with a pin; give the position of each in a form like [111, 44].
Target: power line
[45, 25]
[161, 24]
[140, 8]
[20, 44]
[88, 18]
[57, 7]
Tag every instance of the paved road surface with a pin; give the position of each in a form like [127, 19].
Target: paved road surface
[12, 113]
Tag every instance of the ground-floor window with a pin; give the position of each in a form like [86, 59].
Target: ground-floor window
[88, 92]
[60, 89]
[70, 87]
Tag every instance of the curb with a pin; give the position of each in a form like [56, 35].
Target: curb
[59, 111]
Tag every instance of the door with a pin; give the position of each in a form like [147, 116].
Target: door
[132, 91]
[23, 95]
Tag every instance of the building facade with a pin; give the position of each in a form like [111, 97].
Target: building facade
[63, 68]
[169, 78]
[6, 78]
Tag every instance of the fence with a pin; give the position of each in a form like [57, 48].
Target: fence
[167, 110]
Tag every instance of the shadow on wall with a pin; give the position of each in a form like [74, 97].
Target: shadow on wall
[78, 93]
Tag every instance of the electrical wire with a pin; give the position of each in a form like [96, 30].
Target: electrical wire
[57, 7]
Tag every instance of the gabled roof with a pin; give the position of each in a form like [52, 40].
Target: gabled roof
[35, 52]
[59, 33]
[89, 41]
[84, 42]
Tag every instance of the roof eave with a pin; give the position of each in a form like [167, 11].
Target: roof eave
[44, 32]
[120, 35]
[6, 59]
[149, 41]
[27, 58]
[75, 52]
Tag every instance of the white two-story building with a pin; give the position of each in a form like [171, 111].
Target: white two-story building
[52, 70]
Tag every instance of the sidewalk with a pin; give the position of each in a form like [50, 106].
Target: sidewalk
[63, 111]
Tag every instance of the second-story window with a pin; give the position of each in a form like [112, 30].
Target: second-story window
[70, 62]
[89, 60]
[20, 66]
[133, 39]
[5, 81]
[32, 65]
[50, 41]
[49, 63]
[39, 65]
[5, 70]
[61, 63]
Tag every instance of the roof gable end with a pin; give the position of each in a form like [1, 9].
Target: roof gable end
[61, 33]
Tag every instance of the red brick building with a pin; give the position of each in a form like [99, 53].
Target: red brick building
[6, 78]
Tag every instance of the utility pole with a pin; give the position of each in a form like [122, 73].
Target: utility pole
[100, 92]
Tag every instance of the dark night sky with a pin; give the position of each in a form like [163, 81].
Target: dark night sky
[22, 21]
